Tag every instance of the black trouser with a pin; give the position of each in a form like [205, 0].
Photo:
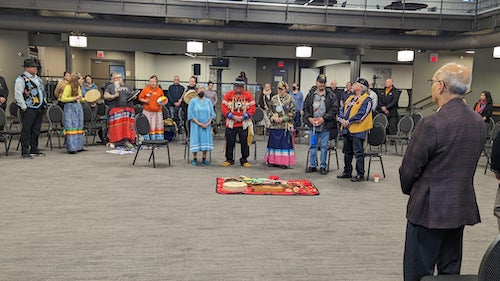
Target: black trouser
[231, 142]
[392, 129]
[32, 123]
[426, 248]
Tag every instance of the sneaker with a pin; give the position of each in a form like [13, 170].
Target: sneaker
[205, 163]
[194, 163]
[323, 171]
[26, 156]
[246, 165]
[37, 153]
[226, 164]
[129, 145]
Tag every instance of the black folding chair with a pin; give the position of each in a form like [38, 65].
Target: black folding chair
[142, 128]
[375, 139]
[8, 133]
[55, 115]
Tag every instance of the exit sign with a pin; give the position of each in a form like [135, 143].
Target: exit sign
[433, 58]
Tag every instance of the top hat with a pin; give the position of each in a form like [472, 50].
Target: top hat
[31, 62]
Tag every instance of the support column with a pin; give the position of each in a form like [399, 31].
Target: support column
[355, 66]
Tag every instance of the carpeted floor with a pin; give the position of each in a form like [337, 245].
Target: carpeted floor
[94, 216]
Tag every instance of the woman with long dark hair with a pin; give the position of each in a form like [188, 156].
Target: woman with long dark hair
[485, 106]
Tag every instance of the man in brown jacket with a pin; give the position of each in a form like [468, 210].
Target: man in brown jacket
[437, 172]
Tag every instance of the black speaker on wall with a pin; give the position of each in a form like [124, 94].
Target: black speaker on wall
[220, 62]
[196, 69]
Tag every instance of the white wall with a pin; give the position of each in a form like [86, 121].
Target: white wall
[402, 75]
[339, 72]
[53, 61]
[12, 43]
[167, 66]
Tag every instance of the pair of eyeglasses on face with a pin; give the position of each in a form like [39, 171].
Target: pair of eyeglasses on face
[430, 82]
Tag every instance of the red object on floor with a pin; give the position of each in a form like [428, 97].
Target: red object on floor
[294, 187]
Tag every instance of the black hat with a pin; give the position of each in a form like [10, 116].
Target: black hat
[30, 62]
[363, 82]
[321, 78]
[239, 81]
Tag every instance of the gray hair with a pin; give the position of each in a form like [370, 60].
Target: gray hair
[365, 89]
[456, 77]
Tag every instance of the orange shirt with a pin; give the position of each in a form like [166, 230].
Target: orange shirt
[152, 95]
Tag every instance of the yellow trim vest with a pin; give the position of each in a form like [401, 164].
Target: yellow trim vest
[367, 123]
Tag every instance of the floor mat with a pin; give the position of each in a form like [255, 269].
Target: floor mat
[265, 186]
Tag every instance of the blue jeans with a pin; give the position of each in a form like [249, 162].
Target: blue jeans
[353, 146]
[322, 139]
[296, 120]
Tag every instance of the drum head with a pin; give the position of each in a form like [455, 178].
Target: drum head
[189, 95]
[234, 186]
[162, 100]
[92, 96]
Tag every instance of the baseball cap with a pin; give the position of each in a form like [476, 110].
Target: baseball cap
[239, 82]
[363, 82]
[321, 78]
[282, 85]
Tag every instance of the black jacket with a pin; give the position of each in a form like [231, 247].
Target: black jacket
[487, 112]
[390, 101]
[4, 91]
[332, 110]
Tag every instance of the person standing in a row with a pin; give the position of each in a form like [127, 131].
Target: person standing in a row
[30, 97]
[152, 110]
[437, 172]
[121, 114]
[388, 104]
[72, 97]
[355, 120]
[4, 94]
[320, 112]
[281, 113]
[495, 167]
[238, 107]
[298, 99]
[200, 114]
[174, 95]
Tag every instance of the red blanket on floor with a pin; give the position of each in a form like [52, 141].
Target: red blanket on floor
[278, 187]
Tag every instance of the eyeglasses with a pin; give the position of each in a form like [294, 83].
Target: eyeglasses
[430, 82]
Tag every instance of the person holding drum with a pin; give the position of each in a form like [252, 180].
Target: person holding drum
[119, 97]
[200, 114]
[152, 102]
[88, 84]
[61, 85]
[71, 97]
[188, 94]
